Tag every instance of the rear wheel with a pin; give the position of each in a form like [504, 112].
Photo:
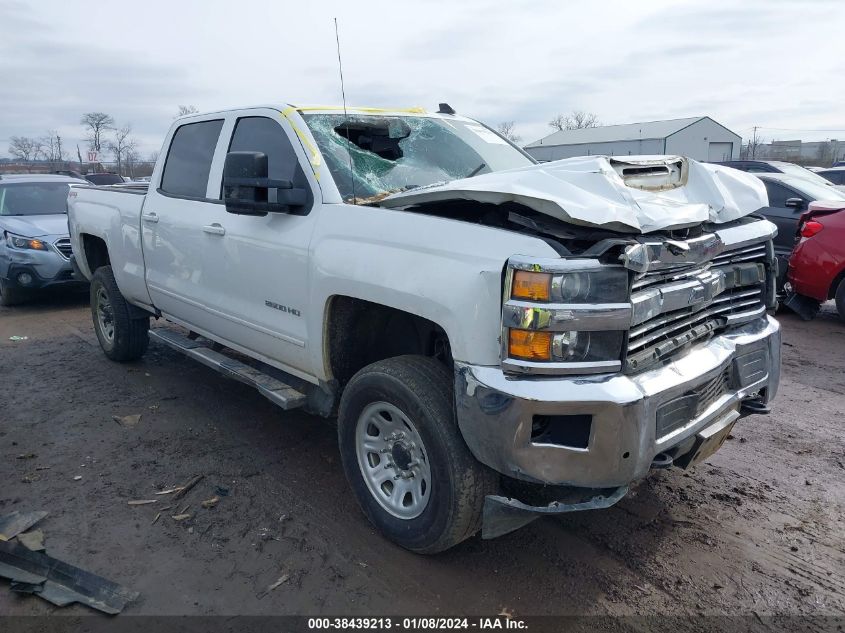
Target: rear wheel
[122, 337]
[840, 299]
[404, 457]
[10, 296]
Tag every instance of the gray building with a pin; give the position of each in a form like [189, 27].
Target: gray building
[821, 153]
[700, 138]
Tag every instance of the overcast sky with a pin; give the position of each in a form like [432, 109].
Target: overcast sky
[771, 63]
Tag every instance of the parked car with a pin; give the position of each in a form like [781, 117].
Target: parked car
[814, 168]
[35, 249]
[817, 265]
[836, 175]
[789, 197]
[776, 167]
[104, 178]
[476, 320]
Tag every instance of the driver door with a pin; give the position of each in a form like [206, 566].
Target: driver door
[256, 269]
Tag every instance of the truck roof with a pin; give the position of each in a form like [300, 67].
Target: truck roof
[306, 108]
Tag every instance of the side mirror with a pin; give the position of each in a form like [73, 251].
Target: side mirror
[247, 190]
[795, 203]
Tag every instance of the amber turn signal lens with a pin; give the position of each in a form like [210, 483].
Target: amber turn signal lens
[37, 245]
[529, 345]
[528, 285]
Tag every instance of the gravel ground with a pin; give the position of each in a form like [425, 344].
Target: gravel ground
[758, 529]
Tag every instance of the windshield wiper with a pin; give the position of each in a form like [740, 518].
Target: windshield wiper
[476, 170]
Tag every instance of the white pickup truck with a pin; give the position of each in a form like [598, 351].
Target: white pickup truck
[499, 339]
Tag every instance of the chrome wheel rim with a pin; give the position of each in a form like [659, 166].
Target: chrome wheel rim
[105, 315]
[393, 460]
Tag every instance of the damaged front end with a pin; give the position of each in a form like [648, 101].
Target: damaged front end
[504, 514]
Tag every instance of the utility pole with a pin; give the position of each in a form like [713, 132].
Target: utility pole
[754, 144]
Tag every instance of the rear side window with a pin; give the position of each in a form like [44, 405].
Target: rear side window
[260, 134]
[189, 159]
[778, 194]
[836, 177]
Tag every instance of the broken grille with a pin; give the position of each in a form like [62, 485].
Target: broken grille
[659, 337]
[683, 410]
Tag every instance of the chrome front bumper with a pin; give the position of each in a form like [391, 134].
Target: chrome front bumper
[496, 411]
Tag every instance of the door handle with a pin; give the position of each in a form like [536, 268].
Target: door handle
[214, 229]
[149, 217]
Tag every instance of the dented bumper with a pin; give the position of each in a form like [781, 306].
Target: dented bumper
[609, 428]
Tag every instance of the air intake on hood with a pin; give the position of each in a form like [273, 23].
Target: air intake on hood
[652, 175]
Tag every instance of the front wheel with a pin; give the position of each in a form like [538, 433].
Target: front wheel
[122, 337]
[404, 457]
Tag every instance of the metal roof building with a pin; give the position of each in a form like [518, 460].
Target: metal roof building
[700, 138]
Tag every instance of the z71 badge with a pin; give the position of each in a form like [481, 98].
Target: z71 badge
[278, 306]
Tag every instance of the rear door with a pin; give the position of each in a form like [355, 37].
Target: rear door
[177, 207]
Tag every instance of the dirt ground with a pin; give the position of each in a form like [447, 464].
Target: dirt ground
[756, 530]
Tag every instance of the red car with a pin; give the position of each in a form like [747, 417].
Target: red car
[817, 264]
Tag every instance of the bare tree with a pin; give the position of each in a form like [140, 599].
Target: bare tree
[506, 129]
[121, 145]
[53, 149]
[826, 153]
[577, 120]
[752, 147]
[24, 148]
[153, 157]
[185, 110]
[96, 123]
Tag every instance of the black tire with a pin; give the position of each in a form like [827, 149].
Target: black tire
[10, 296]
[129, 336]
[840, 299]
[422, 389]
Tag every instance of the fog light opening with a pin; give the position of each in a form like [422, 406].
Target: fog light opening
[571, 431]
[24, 279]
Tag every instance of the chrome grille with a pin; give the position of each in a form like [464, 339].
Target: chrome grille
[657, 338]
[64, 247]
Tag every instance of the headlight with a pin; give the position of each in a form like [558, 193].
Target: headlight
[16, 241]
[598, 286]
[565, 316]
[585, 347]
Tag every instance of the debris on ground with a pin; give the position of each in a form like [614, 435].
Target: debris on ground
[77, 478]
[141, 502]
[58, 582]
[180, 517]
[27, 456]
[18, 338]
[33, 541]
[169, 491]
[127, 421]
[220, 491]
[187, 487]
[282, 580]
[210, 503]
[158, 516]
[16, 522]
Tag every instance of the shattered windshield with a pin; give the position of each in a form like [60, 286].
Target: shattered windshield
[373, 156]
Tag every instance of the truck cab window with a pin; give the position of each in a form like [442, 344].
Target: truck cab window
[189, 159]
[260, 134]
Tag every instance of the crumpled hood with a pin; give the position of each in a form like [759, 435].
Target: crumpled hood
[628, 194]
[35, 225]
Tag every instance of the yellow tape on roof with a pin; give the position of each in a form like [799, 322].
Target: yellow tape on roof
[315, 154]
[416, 110]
